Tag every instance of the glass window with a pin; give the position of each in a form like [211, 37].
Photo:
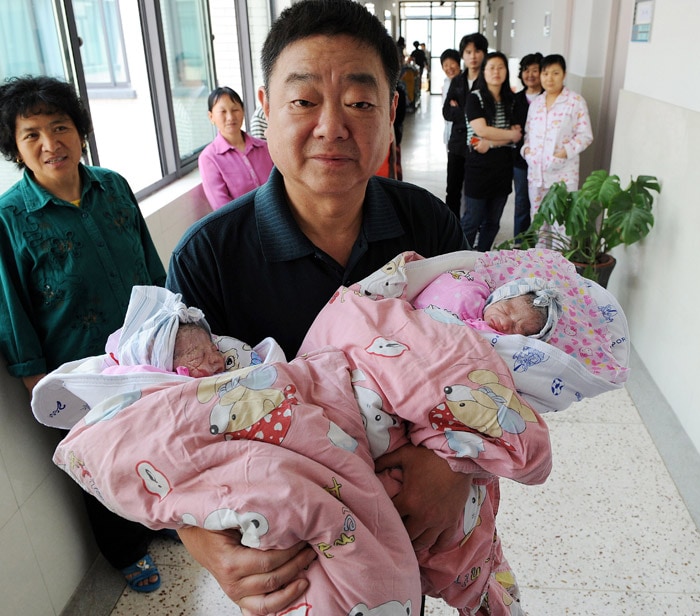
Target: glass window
[124, 122]
[440, 25]
[467, 10]
[29, 40]
[29, 45]
[226, 54]
[411, 10]
[259, 20]
[102, 44]
[464, 27]
[146, 70]
[187, 51]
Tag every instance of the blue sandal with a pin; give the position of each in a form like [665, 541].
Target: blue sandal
[138, 572]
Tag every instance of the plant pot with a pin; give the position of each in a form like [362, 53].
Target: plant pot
[601, 270]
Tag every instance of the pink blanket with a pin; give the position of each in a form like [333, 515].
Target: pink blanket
[280, 452]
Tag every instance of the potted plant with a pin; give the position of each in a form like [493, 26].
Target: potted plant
[585, 224]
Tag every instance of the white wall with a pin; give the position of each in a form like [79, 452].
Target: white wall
[656, 281]
[658, 132]
[666, 68]
[44, 551]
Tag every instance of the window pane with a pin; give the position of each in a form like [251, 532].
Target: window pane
[29, 45]
[258, 27]
[102, 48]
[189, 66]
[223, 25]
[29, 41]
[445, 10]
[415, 9]
[468, 10]
[125, 127]
[466, 26]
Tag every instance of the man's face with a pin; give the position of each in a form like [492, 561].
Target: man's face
[473, 58]
[330, 117]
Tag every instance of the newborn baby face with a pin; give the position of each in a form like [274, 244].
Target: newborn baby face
[195, 351]
[515, 315]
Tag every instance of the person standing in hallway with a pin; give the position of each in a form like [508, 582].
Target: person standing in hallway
[488, 169]
[234, 163]
[472, 49]
[557, 130]
[419, 59]
[529, 76]
[266, 264]
[449, 60]
[72, 244]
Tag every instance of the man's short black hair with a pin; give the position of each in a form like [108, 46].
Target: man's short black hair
[329, 18]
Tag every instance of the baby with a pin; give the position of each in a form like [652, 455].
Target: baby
[526, 306]
[162, 334]
[195, 353]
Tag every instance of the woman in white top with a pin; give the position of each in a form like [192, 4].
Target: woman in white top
[557, 130]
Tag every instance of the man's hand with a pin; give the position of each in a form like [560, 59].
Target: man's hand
[260, 582]
[432, 498]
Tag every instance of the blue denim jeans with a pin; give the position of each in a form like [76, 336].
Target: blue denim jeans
[521, 218]
[483, 216]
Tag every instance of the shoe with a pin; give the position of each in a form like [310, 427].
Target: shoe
[138, 572]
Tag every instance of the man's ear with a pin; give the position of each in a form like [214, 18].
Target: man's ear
[262, 97]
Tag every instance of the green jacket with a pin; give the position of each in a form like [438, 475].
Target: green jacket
[66, 272]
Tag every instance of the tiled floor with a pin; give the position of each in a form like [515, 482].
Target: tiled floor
[607, 535]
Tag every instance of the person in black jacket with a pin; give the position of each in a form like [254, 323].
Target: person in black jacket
[420, 59]
[492, 135]
[529, 75]
[472, 49]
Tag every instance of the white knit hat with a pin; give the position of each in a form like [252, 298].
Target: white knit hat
[150, 326]
[546, 296]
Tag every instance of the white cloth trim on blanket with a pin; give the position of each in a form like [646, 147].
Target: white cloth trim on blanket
[63, 397]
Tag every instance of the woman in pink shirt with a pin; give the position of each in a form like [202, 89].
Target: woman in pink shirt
[234, 163]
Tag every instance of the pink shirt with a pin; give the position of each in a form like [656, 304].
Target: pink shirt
[227, 173]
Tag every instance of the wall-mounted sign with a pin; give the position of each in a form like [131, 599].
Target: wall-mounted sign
[643, 14]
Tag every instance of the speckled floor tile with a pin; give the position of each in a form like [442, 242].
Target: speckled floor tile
[186, 588]
[437, 607]
[612, 407]
[609, 524]
[557, 602]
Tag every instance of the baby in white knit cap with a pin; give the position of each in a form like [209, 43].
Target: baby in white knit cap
[161, 333]
[525, 306]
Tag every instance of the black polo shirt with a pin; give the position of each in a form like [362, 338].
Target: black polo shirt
[254, 273]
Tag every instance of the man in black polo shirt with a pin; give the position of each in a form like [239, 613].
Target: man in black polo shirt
[265, 264]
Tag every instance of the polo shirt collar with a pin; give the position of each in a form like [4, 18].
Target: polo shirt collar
[221, 146]
[282, 239]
